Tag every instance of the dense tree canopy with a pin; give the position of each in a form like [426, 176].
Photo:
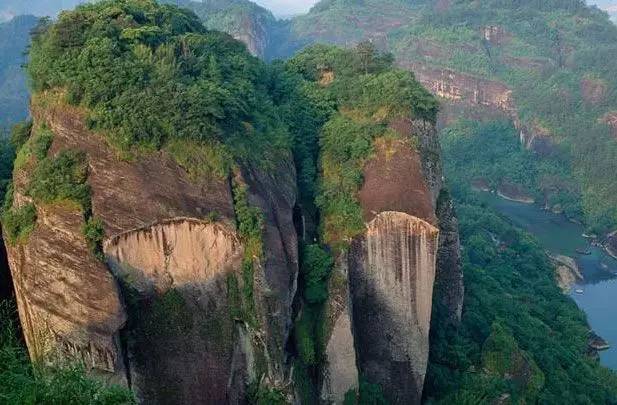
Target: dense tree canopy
[150, 74]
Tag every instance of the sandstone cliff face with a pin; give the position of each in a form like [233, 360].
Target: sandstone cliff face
[463, 88]
[156, 314]
[392, 271]
[381, 293]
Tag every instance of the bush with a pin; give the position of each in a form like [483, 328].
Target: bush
[94, 233]
[18, 223]
[61, 178]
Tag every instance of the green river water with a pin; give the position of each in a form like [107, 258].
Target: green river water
[597, 295]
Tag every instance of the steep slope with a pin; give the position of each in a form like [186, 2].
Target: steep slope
[155, 209]
[140, 243]
[379, 182]
[242, 19]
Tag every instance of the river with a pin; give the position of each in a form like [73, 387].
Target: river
[558, 235]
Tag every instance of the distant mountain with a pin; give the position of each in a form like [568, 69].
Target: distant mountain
[610, 6]
[12, 8]
[14, 39]
[242, 19]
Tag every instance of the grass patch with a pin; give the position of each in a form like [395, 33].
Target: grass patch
[201, 159]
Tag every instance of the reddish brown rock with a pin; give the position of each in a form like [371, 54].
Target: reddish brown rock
[463, 88]
[164, 289]
[611, 120]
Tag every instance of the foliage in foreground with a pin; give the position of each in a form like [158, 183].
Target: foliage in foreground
[21, 383]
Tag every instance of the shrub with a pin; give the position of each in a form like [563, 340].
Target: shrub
[18, 223]
[94, 232]
[61, 178]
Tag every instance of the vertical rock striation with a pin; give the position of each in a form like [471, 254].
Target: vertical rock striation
[156, 315]
[381, 292]
[392, 271]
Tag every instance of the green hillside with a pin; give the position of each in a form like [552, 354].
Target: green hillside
[557, 57]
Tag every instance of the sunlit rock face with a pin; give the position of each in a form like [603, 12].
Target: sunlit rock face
[156, 313]
[392, 272]
[174, 253]
[69, 304]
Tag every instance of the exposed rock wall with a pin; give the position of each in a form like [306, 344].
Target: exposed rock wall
[386, 278]
[449, 286]
[174, 274]
[392, 271]
[341, 370]
[157, 315]
[460, 87]
[69, 304]
[276, 280]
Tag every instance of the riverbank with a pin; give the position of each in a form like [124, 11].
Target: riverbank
[597, 287]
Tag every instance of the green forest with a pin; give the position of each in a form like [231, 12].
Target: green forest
[152, 77]
[557, 57]
[520, 335]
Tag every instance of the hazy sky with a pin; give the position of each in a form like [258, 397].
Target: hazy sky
[286, 7]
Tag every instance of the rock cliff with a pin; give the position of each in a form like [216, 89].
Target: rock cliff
[160, 299]
[388, 274]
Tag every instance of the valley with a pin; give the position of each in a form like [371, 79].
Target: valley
[292, 207]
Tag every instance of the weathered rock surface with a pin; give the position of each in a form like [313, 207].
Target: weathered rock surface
[449, 286]
[69, 304]
[157, 316]
[341, 372]
[567, 272]
[276, 280]
[392, 271]
[387, 276]
[463, 88]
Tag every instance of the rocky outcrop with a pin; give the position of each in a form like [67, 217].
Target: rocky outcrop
[387, 275]
[567, 272]
[160, 300]
[495, 34]
[463, 88]
[514, 192]
[449, 286]
[276, 280]
[69, 303]
[610, 119]
[392, 271]
[535, 138]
